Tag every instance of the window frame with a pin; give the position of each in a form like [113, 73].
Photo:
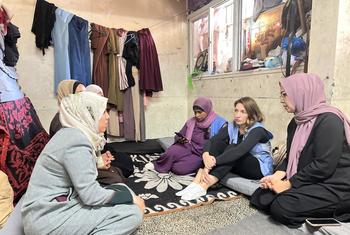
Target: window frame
[208, 10]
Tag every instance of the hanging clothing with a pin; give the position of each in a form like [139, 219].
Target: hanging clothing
[11, 52]
[115, 96]
[133, 121]
[128, 116]
[123, 79]
[4, 20]
[9, 88]
[22, 138]
[113, 123]
[142, 117]
[150, 78]
[131, 55]
[79, 51]
[121, 123]
[135, 92]
[43, 22]
[60, 39]
[99, 38]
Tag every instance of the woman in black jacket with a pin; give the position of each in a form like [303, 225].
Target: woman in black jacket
[314, 179]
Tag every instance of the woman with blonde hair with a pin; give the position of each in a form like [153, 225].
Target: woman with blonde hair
[243, 146]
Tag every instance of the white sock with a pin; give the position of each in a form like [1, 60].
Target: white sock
[194, 193]
[182, 192]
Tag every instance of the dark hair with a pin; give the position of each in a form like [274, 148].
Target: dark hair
[253, 110]
[75, 85]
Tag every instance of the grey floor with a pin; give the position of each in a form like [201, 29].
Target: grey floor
[198, 220]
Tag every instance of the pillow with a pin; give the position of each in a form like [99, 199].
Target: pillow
[240, 184]
[166, 142]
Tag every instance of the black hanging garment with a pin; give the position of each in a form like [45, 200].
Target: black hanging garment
[43, 22]
[131, 55]
[11, 52]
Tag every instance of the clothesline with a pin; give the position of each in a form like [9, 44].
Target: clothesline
[153, 25]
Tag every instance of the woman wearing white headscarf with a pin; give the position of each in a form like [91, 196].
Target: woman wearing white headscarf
[63, 196]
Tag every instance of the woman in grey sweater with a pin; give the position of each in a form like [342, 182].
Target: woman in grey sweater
[63, 196]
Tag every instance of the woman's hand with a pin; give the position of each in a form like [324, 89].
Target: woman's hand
[205, 176]
[107, 159]
[275, 183]
[281, 186]
[140, 203]
[209, 161]
[266, 182]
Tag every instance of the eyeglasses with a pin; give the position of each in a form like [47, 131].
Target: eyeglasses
[283, 94]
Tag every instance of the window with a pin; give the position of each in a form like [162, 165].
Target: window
[200, 43]
[261, 35]
[227, 36]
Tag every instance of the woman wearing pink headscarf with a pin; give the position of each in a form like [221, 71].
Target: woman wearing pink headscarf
[185, 155]
[314, 179]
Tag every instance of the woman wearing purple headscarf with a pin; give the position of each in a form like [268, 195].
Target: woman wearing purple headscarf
[314, 179]
[185, 155]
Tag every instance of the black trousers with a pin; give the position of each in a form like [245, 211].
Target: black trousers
[293, 206]
[246, 166]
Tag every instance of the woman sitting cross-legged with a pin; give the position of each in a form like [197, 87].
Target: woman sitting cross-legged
[243, 146]
[63, 196]
[184, 156]
[314, 179]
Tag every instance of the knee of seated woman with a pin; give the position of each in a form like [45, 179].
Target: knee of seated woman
[136, 217]
[132, 215]
[280, 213]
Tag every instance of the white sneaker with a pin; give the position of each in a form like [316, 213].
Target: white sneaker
[185, 190]
[149, 166]
[195, 192]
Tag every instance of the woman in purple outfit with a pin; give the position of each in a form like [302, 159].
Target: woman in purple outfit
[185, 155]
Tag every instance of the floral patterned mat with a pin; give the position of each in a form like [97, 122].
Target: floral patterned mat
[158, 189]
